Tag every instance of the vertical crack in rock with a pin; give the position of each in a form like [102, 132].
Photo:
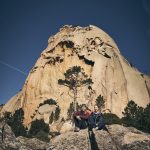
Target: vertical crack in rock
[124, 78]
[113, 98]
[148, 90]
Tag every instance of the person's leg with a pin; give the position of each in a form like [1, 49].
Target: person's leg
[91, 123]
[76, 122]
[90, 127]
[79, 124]
[101, 126]
[100, 123]
[84, 124]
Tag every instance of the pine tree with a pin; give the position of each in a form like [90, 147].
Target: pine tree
[75, 78]
[70, 110]
[130, 113]
[48, 101]
[100, 102]
[130, 110]
[139, 118]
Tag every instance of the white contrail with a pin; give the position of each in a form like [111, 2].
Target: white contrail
[12, 67]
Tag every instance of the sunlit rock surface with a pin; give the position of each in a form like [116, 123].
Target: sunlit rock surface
[91, 48]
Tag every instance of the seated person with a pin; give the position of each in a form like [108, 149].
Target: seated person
[96, 119]
[81, 118]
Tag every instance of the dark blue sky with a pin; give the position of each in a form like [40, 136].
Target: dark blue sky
[27, 24]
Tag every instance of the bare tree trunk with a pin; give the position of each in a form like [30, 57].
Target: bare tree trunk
[75, 99]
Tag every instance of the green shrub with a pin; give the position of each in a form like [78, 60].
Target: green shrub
[15, 121]
[38, 126]
[43, 136]
[137, 116]
[57, 113]
[49, 101]
[111, 119]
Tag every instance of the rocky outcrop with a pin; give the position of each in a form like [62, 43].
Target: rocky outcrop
[95, 51]
[119, 138]
[10, 142]
[123, 138]
[7, 138]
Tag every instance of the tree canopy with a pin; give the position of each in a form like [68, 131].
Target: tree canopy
[75, 78]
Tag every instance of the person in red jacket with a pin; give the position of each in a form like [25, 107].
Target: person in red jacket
[81, 118]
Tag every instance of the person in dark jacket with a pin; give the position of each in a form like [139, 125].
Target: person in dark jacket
[96, 119]
[81, 118]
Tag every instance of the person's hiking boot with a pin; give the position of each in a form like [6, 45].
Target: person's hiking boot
[95, 129]
[76, 129]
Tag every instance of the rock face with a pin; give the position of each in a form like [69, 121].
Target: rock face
[95, 51]
[120, 138]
